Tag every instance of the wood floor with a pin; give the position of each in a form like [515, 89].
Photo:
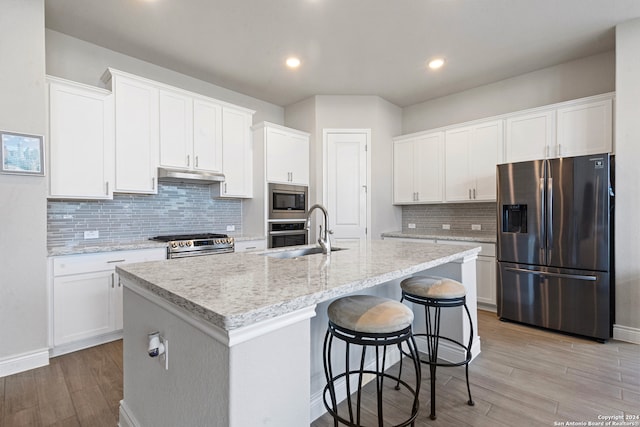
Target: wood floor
[78, 389]
[523, 377]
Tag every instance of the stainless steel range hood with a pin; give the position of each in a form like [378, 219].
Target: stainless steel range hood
[182, 175]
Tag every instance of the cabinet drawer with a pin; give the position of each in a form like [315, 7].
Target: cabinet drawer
[103, 261]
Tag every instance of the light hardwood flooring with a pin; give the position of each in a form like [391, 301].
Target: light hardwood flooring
[523, 377]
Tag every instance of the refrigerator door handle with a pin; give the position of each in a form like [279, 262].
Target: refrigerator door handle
[543, 249]
[559, 275]
[549, 218]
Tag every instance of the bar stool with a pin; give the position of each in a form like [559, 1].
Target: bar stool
[437, 293]
[368, 321]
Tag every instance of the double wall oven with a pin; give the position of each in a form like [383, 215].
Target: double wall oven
[287, 215]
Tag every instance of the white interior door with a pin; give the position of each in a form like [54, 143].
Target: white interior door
[346, 189]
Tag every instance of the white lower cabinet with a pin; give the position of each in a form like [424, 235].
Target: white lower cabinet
[250, 245]
[485, 268]
[86, 303]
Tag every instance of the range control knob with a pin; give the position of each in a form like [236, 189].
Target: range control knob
[181, 244]
[174, 245]
[190, 243]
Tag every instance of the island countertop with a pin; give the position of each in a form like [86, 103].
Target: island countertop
[239, 289]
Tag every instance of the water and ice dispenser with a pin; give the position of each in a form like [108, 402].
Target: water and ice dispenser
[514, 218]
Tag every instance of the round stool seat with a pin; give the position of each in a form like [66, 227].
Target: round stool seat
[433, 287]
[369, 314]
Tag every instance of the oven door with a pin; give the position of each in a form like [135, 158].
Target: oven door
[283, 234]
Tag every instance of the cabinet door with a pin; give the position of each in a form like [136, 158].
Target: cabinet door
[176, 137]
[530, 136]
[236, 154]
[278, 155]
[458, 183]
[483, 158]
[428, 167]
[82, 306]
[80, 142]
[137, 134]
[585, 129]
[486, 280]
[403, 191]
[298, 157]
[207, 136]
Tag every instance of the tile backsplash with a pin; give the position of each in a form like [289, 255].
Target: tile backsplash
[177, 208]
[428, 219]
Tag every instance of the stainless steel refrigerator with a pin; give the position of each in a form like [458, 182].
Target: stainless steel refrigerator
[555, 240]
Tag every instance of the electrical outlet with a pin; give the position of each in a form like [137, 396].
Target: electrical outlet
[231, 228]
[476, 227]
[411, 225]
[446, 226]
[93, 234]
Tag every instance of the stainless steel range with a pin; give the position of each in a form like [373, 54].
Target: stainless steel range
[187, 245]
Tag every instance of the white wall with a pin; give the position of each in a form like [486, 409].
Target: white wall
[576, 79]
[84, 62]
[23, 205]
[627, 134]
[354, 112]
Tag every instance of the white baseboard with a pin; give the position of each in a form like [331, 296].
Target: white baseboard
[126, 418]
[626, 333]
[85, 343]
[24, 362]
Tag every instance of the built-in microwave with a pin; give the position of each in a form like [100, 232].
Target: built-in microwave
[287, 201]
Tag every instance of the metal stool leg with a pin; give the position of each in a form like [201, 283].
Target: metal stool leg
[470, 402]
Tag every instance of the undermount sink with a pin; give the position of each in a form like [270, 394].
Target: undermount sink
[296, 253]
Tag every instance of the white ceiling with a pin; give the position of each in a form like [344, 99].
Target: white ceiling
[347, 47]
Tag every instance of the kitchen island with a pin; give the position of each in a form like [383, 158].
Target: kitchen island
[244, 331]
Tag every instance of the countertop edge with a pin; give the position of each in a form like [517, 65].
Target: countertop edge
[465, 238]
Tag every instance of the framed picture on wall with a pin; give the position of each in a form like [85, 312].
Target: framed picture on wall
[21, 153]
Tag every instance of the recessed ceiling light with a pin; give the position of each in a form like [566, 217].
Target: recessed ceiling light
[436, 63]
[293, 62]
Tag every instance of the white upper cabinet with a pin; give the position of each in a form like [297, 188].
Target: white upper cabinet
[471, 156]
[585, 128]
[237, 154]
[190, 132]
[573, 128]
[287, 155]
[418, 169]
[530, 136]
[176, 130]
[136, 132]
[207, 135]
[80, 141]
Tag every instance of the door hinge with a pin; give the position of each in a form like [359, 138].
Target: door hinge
[366, 147]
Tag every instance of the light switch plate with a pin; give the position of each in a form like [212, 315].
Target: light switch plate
[93, 234]
[446, 226]
[411, 225]
[231, 228]
[476, 227]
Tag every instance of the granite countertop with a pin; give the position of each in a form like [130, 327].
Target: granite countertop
[235, 290]
[125, 246]
[104, 247]
[473, 236]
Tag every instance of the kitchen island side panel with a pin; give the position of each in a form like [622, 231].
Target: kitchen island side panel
[209, 381]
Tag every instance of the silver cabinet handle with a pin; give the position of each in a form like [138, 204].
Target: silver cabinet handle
[196, 161]
[469, 194]
[107, 188]
[112, 280]
[225, 188]
[188, 160]
[474, 194]
[153, 183]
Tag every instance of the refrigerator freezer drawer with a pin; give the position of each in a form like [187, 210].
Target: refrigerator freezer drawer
[574, 301]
